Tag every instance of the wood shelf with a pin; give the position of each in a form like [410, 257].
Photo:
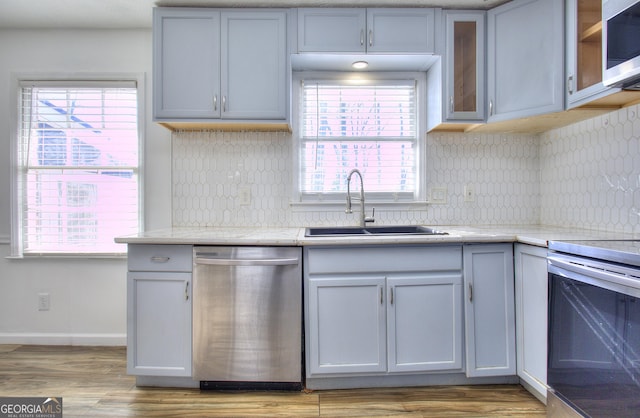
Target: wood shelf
[593, 33]
[226, 127]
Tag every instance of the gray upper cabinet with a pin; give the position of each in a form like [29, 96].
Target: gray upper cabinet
[358, 30]
[186, 70]
[584, 52]
[220, 64]
[525, 68]
[254, 65]
[464, 65]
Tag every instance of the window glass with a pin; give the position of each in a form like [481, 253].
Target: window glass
[369, 125]
[78, 167]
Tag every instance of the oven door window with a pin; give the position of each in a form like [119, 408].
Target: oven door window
[594, 348]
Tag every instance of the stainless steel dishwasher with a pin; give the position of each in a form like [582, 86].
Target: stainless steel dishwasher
[247, 317]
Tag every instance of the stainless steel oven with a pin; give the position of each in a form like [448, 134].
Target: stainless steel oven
[594, 329]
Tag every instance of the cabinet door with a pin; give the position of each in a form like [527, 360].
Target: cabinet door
[346, 325]
[489, 310]
[159, 324]
[525, 69]
[254, 65]
[424, 322]
[584, 52]
[186, 54]
[531, 316]
[332, 30]
[464, 69]
[400, 30]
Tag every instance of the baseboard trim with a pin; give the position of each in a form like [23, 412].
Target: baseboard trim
[27, 338]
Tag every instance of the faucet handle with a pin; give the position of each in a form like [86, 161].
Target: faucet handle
[372, 217]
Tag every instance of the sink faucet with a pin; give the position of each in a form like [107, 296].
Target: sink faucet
[363, 218]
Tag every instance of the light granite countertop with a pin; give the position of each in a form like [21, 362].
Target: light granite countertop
[534, 235]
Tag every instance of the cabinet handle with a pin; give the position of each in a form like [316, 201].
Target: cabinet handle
[215, 103]
[224, 103]
[451, 104]
[570, 84]
[370, 37]
[381, 295]
[159, 259]
[470, 292]
[186, 291]
[391, 298]
[490, 107]
[361, 37]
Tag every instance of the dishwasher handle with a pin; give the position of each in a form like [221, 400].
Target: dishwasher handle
[246, 261]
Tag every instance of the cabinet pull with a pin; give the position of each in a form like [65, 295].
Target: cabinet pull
[570, 84]
[224, 103]
[361, 37]
[391, 297]
[159, 259]
[381, 295]
[490, 107]
[186, 291]
[470, 292]
[451, 104]
[370, 37]
[215, 103]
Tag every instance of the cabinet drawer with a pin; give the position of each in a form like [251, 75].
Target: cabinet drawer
[152, 257]
[384, 259]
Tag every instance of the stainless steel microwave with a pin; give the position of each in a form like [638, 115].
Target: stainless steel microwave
[621, 43]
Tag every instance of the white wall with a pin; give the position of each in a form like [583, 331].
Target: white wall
[88, 296]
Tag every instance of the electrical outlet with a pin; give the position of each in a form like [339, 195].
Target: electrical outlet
[44, 301]
[469, 194]
[244, 196]
[438, 195]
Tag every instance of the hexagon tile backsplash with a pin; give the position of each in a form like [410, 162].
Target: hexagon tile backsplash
[585, 175]
[590, 173]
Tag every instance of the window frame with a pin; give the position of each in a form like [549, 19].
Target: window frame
[18, 80]
[331, 201]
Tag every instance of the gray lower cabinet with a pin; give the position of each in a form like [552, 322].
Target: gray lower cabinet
[379, 310]
[159, 310]
[489, 310]
[531, 317]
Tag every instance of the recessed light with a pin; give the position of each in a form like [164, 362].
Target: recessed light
[360, 65]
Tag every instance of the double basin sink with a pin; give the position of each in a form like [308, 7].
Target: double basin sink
[371, 230]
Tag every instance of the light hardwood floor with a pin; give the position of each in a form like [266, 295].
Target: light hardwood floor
[93, 383]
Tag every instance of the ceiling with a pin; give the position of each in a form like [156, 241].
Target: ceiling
[125, 14]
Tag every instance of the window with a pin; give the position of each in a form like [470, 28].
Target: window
[371, 124]
[78, 167]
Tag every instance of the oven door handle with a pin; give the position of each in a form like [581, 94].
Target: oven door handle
[596, 275]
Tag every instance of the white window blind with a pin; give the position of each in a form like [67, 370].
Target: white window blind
[372, 127]
[78, 167]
